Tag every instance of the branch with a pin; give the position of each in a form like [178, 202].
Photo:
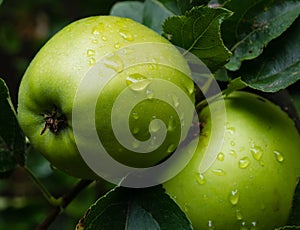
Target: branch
[65, 201]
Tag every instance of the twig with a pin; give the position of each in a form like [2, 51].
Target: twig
[65, 201]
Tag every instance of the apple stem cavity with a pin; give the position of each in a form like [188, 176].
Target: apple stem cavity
[55, 121]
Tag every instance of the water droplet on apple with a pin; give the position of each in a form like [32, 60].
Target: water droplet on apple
[90, 52]
[244, 226]
[200, 178]
[114, 62]
[149, 94]
[117, 45]
[233, 153]
[279, 156]
[155, 126]
[171, 124]
[171, 148]
[244, 162]
[234, 197]
[135, 115]
[256, 152]
[175, 100]
[231, 130]
[126, 35]
[104, 38]
[238, 214]
[92, 61]
[136, 130]
[219, 172]
[99, 29]
[253, 225]
[221, 156]
[210, 225]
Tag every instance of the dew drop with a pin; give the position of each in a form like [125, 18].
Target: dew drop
[233, 153]
[135, 144]
[140, 85]
[126, 35]
[171, 148]
[234, 197]
[200, 178]
[221, 156]
[219, 172]
[104, 38]
[279, 156]
[135, 115]
[92, 61]
[99, 29]
[232, 143]
[238, 215]
[230, 130]
[154, 126]
[95, 41]
[171, 124]
[135, 130]
[244, 226]
[90, 52]
[256, 152]
[114, 62]
[117, 45]
[175, 100]
[149, 94]
[134, 78]
[253, 225]
[244, 162]
[210, 225]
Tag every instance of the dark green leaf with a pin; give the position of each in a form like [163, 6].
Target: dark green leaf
[198, 31]
[256, 25]
[135, 209]
[130, 9]
[235, 84]
[279, 66]
[12, 141]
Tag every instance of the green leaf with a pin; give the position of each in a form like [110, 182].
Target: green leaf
[12, 141]
[255, 24]
[235, 84]
[279, 66]
[198, 31]
[130, 9]
[155, 13]
[135, 209]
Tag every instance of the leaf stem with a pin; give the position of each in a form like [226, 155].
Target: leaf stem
[66, 199]
[48, 196]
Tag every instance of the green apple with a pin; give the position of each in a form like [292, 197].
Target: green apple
[50, 84]
[251, 182]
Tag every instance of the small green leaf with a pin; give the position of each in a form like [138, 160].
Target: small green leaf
[279, 66]
[198, 31]
[261, 24]
[130, 9]
[135, 209]
[12, 141]
[235, 84]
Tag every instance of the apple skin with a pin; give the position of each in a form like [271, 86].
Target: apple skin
[50, 82]
[251, 183]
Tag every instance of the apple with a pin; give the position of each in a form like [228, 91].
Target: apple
[50, 83]
[251, 181]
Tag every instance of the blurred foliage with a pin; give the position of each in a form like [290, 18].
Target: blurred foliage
[24, 27]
